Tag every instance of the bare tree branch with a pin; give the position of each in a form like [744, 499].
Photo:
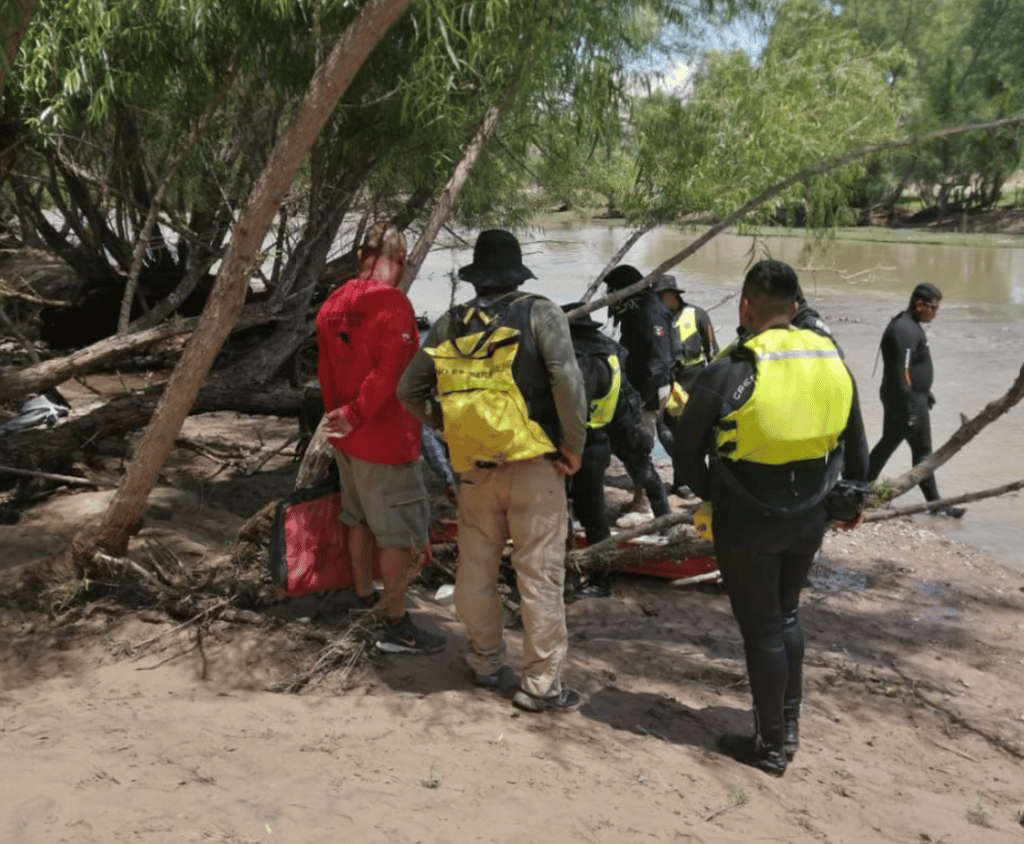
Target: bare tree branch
[614, 260]
[963, 435]
[929, 506]
[773, 191]
[446, 202]
[142, 243]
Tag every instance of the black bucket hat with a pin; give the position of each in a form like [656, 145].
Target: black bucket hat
[666, 283]
[622, 276]
[585, 321]
[497, 261]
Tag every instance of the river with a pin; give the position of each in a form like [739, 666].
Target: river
[857, 284]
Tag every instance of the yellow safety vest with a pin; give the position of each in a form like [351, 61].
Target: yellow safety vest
[800, 403]
[686, 328]
[602, 409]
[486, 419]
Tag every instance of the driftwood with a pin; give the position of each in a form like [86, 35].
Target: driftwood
[34, 379]
[49, 476]
[615, 558]
[894, 512]
[600, 551]
[130, 412]
[967, 431]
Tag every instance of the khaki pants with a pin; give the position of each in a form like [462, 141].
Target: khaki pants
[523, 501]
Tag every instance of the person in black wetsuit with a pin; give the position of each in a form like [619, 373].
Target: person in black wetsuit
[614, 426]
[646, 329]
[767, 429]
[907, 375]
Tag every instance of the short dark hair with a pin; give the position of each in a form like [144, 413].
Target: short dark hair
[770, 287]
[925, 292]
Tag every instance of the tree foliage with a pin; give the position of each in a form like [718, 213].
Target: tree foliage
[962, 62]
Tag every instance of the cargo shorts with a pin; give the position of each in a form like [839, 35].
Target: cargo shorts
[388, 500]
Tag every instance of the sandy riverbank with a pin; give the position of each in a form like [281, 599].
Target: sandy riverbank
[913, 728]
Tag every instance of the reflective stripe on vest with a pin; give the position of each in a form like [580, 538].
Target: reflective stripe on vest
[800, 403]
[602, 409]
[485, 415]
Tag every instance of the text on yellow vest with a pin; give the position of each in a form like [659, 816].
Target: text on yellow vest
[799, 405]
[486, 419]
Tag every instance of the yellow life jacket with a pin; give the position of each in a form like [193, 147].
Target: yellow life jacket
[800, 403]
[602, 409]
[688, 352]
[486, 419]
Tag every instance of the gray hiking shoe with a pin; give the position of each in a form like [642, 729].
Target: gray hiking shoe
[407, 638]
[488, 681]
[567, 700]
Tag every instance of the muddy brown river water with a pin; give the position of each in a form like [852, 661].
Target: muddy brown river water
[857, 284]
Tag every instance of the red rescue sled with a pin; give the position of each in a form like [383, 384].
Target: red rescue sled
[309, 550]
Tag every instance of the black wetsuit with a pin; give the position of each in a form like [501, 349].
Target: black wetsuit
[764, 555]
[905, 406]
[622, 436]
[646, 326]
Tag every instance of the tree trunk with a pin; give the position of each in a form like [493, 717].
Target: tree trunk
[142, 242]
[620, 252]
[443, 208]
[967, 431]
[42, 376]
[329, 82]
[14, 20]
[34, 448]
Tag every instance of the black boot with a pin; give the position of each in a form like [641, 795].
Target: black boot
[750, 750]
[791, 739]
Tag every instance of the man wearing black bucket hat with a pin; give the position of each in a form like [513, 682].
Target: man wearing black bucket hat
[498, 376]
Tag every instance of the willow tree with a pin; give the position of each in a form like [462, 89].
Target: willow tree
[960, 61]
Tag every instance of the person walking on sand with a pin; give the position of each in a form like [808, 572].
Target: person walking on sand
[366, 335]
[764, 436]
[906, 392]
[499, 377]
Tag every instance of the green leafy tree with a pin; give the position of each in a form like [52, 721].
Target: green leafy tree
[816, 93]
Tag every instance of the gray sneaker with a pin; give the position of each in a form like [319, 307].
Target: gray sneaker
[567, 700]
[407, 638]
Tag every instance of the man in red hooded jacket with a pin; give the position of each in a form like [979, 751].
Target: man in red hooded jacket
[367, 334]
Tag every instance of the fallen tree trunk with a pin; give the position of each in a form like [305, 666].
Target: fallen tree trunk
[967, 431]
[894, 512]
[42, 376]
[31, 449]
[616, 557]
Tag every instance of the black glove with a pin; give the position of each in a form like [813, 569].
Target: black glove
[931, 400]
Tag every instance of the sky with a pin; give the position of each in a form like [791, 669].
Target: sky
[675, 75]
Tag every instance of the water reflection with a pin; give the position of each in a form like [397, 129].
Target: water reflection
[977, 341]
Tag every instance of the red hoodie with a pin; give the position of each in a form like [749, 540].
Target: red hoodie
[366, 334]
